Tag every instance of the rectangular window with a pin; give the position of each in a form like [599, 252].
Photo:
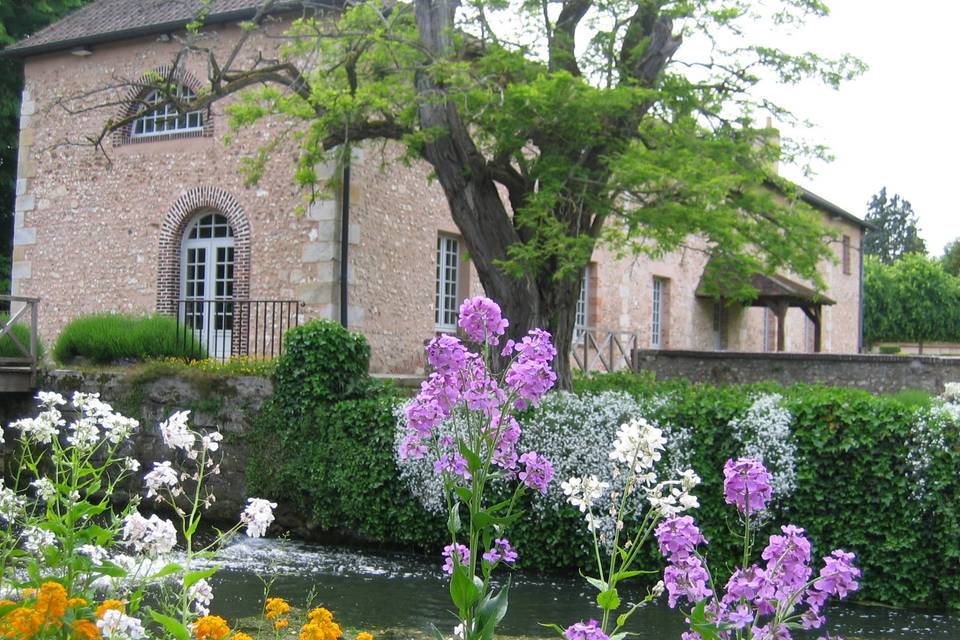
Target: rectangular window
[719, 327]
[582, 321]
[448, 275]
[658, 305]
[846, 255]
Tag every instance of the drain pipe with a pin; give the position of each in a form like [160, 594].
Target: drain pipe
[344, 236]
[860, 345]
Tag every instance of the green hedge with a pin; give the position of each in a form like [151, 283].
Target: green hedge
[335, 462]
[8, 348]
[106, 338]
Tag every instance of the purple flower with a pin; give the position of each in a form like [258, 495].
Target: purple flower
[530, 379]
[745, 584]
[537, 472]
[432, 405]
[452, 463]
[482, 320]
[412, 446]
[447, 354]
[589, 630]
[502, 551]
[838, 575]
[740, 617]
[746, 484]
[505, 447]
[686, 579]
[463, 555]
[678, 537]
[787, 559]
[537, 346]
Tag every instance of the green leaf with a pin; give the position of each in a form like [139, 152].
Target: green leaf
[463, 589]
[194, 577]
[491, 612]
[169, 569]
[600, 585]
[555, 627]
[172, 625]
[474, 463]
[112, 570]
[464, 493]
[624, 575]
[453, 520]
[698, 622]
[609, 600]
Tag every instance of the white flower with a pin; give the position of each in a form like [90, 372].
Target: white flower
[45, 488]
[257, 516]
[211, 441]
[11, 505]
[42, 429]
[115, 625]
[151, 536]
[131, 464]
[583, 492]
[96, 553]
[201, 593]
[951, 391]
[163, 475]
[593, 522]
[458, 633]
[35, 539]
[175, 433]
[638, 444]
[84, 434]
[119, 428]
[658, 589]
[50, 399]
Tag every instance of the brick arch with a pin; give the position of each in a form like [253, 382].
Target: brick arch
[146, 83]
[171, 234]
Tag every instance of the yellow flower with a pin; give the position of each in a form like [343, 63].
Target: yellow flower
[321, 630]
[23, 623]
[281, 623]
[240, 635]
[276, 607]
[52, 602]
[76, 602]
[84, 630]
[6, 603]
[320, 615]
[211, 628]
[363, 635]
[107, 605]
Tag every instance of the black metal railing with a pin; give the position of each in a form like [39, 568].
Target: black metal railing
[222, 329]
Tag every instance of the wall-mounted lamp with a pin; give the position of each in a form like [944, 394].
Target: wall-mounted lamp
[81, 52]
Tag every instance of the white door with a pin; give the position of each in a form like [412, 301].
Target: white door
[207, 283]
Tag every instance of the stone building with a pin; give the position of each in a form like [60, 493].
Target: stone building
[164, 219]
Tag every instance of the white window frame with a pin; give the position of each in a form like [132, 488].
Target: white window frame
[165, 119]
[447, 299]
[582, 317]
[216, 340]
[656, 323]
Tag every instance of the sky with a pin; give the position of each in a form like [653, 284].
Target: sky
[896, 125]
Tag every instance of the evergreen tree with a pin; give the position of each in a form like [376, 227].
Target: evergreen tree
[896, 234]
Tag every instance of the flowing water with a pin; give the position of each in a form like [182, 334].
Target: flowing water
[408, 592]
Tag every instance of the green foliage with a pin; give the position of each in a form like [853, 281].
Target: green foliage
[890, 349]
[951, 258]
[897, 235]
[107, 338]
[913, 299]
[323, 442]
[8, 348]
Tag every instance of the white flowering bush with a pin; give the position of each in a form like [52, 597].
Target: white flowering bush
[64, 545]
[929, 436]
[765, 434]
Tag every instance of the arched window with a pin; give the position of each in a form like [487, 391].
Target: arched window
[207, 281]
[165, 119]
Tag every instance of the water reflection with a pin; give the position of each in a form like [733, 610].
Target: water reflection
[376, 591]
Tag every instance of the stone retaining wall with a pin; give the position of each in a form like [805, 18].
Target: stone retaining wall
[875, 373]
[223, 403]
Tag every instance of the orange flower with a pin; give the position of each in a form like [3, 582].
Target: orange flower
[281, 623]
[107, 605]
[240, 635]
[321, 630]
[84, 630]
[6, 603]
[76, 602]
[276, 607]
[320, 615]
[52, 602]
[22, 623]
[363, 635]
[211, 628]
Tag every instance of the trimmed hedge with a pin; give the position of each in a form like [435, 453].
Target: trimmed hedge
[853, 483]
[8, 348]
[105, 338]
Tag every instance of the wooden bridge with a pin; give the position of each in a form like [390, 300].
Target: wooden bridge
[18, 356]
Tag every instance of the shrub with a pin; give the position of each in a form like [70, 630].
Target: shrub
[106, 338]
[8, 348]
[889, 349]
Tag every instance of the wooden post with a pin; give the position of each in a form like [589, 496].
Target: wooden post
[781, 311]
[817, 328]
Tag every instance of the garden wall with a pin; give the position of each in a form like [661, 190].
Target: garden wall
[874, 373]
[226, 403]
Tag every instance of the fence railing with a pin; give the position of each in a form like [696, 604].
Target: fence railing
[601, 350]
[20, 310]
[222, 329]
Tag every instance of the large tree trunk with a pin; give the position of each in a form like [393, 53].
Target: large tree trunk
[478, 209]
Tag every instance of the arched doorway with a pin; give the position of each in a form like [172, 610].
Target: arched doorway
[207, 281]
